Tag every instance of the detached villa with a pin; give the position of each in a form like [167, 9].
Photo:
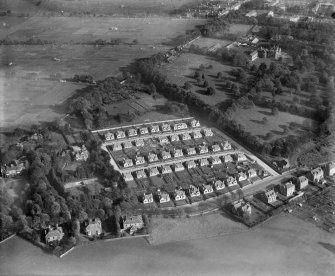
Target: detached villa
[153, 171]
[109, 136]
[144, 130]
[141, 174]
[163, 197]
[316, 175]
[179, 126]
[197, 134]
[194, 191]
[240, 157]
[177, 153]
[139, 143]
[203, 149]
[127, 145]
[185, 137]
[208, 132]
[117, 146]
[203, 162]
[215, 160]
[219, 185]
[174, 138]
[191, 164]
[120, 134]
[179, 195]
[166, 169]
[93, 229]
[216, 148]
[195, 123]
[301, 182]
[54, 234]
[152, 157]
[166, 127]
[154, 129]
[148, 198]
[178, 167]
[231, 181]
[127, 176]
[127, 163]
[166, 155]
[132, 132]
[139, 160]
[268, 196]
[226, 145]
[207, 189]
[228, 158]
[287, 189]
[191, 151]
[330, 169]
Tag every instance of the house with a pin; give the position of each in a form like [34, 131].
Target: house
[252, 173]
[268, 196]
[191, 151]
[270, 14]
[139, 143]
[251, 14]
[253, 55]
[120, 134]
[140, 174]
[197, 134]
[93, 229]
[132, 132]
[166, 169]
[185, 136]
[316, 175]
[231, 181]
[226, 145]
[241, 176]
[178, 167]
[127, 163]
[166, 127]
[117, 146]
[144, 130]
[133, 222]
[179, 126]
[195, 123]
[163, 140]
[139, 160]
[203, 149]
[240, 157]
[174, 138]
[154, 128]
[191, 164]
[13, 170]
[203, 162]
[216, 148]
[301, 182]
[127, 176]
[148, 198]
[127, 145]
[152, 157]
[163, 197]
[287, 189]
[228, 158]
[36, 136]
[215, 160]
[294, 19]
[54, 234]
[153, 171]
[330, 169]
[208, 132]
[179, 195]
[166, 155]
[241, 208]
[177, 153]
[109, 136]
[194, 191]
[80, 154]
[219, 185]
[207, 189]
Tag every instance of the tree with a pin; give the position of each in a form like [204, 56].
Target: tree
[219, 75]
[152, 89]
[275, 111]
[211, 91]
[265, 120]
[206, 84]
[187, 85]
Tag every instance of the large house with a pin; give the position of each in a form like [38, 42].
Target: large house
[177, 153]
[215, 160]
[174, 138]
[166, 169]
[179, 195]
[152, 157]
[197, 134]
[133, 222]
[330, 169]
[191, 151]
[207, 189]
[178, 167]
[240, 157]
[195, 123]
[252, 173]
[80, 154]
[153, 171]
[54, 234]
[208, 132]
[216, 148]
[109, 136]
[140, 174]
[287, 189]
[166, 155]
[203, 162]
[228, 158]
[194, 191]
[139, 160]
[154, 128]
[219, 185]
[163, 140]
[316, 175]
[185, 137]
[241, 176]
[241, 208]
[117, 146]
[268, 196]
[127, 145]
[139, 143]
[301, 182]
[226, 145]
[127, 176]
[203, 149]
[12, 170]
[179, 126]
[166, 127]
[93, 229]
[191, 164]
[231, 181]
[120, 134]
[163, 197]
[127, 163]
[132, 132]
[148, 198]
[253, 55]
[144, 130]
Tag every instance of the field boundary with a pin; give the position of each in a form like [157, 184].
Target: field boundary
[8, 238]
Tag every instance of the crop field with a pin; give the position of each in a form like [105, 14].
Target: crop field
[182, 70]
[252, 120]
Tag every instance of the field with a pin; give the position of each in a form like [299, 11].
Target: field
[182, 70]
[210, 44]
[252, 120]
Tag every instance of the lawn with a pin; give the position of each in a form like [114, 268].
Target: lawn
[210, 44]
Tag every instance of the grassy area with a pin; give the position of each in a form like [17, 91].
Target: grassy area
[211, 44]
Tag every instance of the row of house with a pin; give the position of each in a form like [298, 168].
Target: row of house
[155, 128]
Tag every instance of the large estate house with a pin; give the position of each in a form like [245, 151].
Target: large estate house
[93, 228]
[268, 196]
[55, 234]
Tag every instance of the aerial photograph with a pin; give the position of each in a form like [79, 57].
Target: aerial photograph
[167, 137]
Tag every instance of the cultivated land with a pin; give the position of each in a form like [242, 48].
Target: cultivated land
[285, 244]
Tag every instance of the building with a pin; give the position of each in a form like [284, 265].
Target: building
[153, 171]
[166, 155]
[93, 229]
[54, 234]
[109, 136]
[177, 153]
[185, 136]
[163, 140]
[179, 126]
[330, 169]
[152, 157]
[179, 195]
[127, 163]
[241, 208]
[117, 146]
[166, 127]
[127, 145]
[301, 182]
[219, 185]
[166, 169]
[197, 134]
[120, 134]
[12, 170]
[191, 164]
[228, 158]
[208, 132]
[268, 196]
[316, 175]
[194, 191]
[231, 181]
[139, 143]
[241, 176]
[148, 198]
[216, 148]
[203, 149]
[252, 173]
[144, 130]
[140, 174]
[139, 160]
[251, 14]
[287, 189]
[191, 151]
[178, 167]
[207, 189]
[163, 197]
[195, 123]
[226, 145]
[80, 154]
[215, 160]
[240, 157]
[133, 222]
[294, 19]
[203, 162]
[154, 128]
[253, 55]
[132, 132]
[127, 176]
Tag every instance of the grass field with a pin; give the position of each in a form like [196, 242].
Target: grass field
[210, 44]
[182, 70]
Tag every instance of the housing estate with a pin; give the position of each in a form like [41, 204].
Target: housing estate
[226, 145]
[207, 189]
[216, 148]
[228, 158]
[215, 160]
[202, 149]
[179, 126]
[203, 162]
[208, 132]
[185, 137]
[165, 155]
[127, 176]
[117, 146]
[139, 143]
[127, 145]
[177, 153]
